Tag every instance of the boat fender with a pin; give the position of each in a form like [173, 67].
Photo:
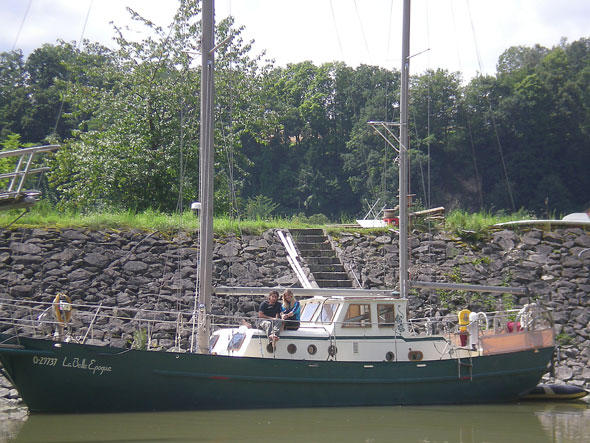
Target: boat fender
[62, 307]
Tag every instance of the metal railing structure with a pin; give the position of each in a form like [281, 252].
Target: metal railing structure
[144, 329]
[13, 192]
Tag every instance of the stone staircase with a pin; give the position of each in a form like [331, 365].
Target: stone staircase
[315, 248]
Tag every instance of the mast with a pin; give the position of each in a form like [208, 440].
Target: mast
[206, 159]
[403, 154]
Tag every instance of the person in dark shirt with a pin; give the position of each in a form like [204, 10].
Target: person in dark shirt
[270, 311]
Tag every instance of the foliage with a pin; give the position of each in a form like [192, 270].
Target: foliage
[140, 339]
[564, 339]
[137, 146]
[260, 207]
[128, 122]
[475, 226]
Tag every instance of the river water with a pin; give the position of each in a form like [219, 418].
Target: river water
[523, 422]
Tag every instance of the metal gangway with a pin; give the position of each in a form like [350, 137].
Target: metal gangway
[13, 192]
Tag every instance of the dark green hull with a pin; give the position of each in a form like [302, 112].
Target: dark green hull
[83, 378]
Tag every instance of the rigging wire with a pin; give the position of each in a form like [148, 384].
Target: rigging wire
[492, 117]
[466, 117]
[387, 107]
[61, 106]
[362, 29]
[336, 29]
[22, 23]
[457, 45]
[389, 30]
[428, 199]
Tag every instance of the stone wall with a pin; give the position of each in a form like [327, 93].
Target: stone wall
[553, 265]
[158, 271]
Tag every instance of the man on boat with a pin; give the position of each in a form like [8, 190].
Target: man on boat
[270, 311]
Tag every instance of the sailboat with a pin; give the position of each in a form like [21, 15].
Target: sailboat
[354, 347]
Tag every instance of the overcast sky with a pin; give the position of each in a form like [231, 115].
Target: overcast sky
[462, 35]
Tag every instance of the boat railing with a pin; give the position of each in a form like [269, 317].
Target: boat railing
[532, 317]
[160, 328]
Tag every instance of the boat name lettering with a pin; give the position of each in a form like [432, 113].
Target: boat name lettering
[80, 363]
[44, 361]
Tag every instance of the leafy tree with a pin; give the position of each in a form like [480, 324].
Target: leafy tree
[138, 148]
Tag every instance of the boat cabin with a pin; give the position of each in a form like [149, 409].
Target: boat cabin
[345, 328]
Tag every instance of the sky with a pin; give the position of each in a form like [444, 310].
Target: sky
[459, 35]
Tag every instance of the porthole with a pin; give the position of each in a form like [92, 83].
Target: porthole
[415, 355]
[389, 356]
[312, 349]
[332, 350]
[291, 349]
[270, 348]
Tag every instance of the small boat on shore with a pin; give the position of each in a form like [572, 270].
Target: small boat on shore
[555, 392]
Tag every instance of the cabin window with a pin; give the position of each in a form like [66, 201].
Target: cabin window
[328, 311]
[291, 349]
[358, 316]
[236, 341]
[385, 315]
[213, 341]
[308, 311]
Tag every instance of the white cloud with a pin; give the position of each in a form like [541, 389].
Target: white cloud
[327, 30]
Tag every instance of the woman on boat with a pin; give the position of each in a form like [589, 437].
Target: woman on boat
[290, 311]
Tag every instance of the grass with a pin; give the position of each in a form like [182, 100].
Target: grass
[459, 219]
[475, 226]
[47, 217]
[149, 220]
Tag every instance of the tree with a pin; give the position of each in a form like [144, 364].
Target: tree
[138, 145]
[13, 94]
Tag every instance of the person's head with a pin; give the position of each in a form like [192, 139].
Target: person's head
[288, 299]
[273, 296]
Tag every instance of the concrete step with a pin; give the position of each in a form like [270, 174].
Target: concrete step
[318, 253]
[330, 275]
[332, 267]
[316, 250]
[310, 247]
[307, 245]
[312, 261]
[334, 283]
[295, 232]
[310, 239]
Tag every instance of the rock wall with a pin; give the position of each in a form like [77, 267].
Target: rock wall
[134, 268]
[553, 265]
[158, 271]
